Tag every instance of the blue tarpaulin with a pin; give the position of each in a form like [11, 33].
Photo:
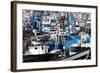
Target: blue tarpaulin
[72, 41]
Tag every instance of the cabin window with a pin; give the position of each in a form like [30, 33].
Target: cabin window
[35, 48]
[42, 47]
